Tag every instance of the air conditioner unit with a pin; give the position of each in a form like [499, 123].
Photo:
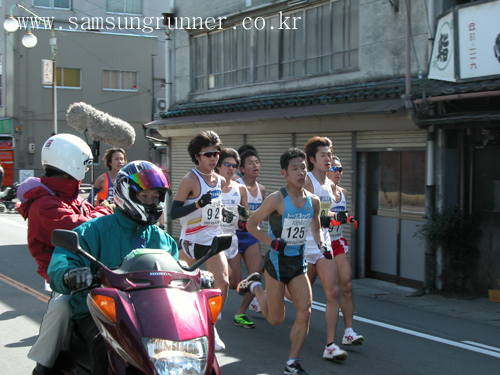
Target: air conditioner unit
[160, 105]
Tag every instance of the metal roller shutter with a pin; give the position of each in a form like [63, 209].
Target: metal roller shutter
[270, 147]
[233, 141]
[342, 147]
[392, 140]
[181, 164]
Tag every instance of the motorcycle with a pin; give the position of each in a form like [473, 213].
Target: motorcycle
[6, 197]
[152, 313]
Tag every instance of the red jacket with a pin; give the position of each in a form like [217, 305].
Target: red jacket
[46, 212]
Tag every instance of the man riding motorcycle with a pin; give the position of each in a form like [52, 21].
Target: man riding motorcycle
[52, 202]
[139, 193]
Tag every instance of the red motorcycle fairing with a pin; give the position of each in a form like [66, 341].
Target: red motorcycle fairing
[164, 313]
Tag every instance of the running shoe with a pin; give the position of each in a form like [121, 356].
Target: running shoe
[334, 352]
[242, 321]
[254, 305]
[295, 369]
[245, 284]
[352, 339]
[219, 344]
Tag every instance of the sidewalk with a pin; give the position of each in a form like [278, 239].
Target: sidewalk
[477, 309]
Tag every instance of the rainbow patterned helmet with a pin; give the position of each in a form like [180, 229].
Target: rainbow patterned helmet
[133, 178]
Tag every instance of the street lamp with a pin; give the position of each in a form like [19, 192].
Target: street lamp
[29, 40]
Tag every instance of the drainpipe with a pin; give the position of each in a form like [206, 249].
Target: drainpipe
[407, 95]
[430, 206]
[168, 59]
[168, 99]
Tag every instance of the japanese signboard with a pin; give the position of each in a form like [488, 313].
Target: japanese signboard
[47, 72]
[443, 56]
[479, 35]
[475, 30]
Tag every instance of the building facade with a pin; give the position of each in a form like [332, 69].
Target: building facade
[278, 73]
[109, 55]
[274, 74]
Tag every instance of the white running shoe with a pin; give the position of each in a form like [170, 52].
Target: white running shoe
[219, 344]
[352, 339]
[334, 352]
[254, 305]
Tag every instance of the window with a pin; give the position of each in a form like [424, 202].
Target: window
[53, 4]
[119, 80]
[398, 183]
[68, 78]
[125, 6]
[241, 55]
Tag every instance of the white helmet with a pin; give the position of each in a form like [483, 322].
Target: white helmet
[68, 154]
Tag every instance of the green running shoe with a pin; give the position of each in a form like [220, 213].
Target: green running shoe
[242, 321]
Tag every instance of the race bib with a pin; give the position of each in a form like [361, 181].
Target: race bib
[211, 213]
[295, 230]
[325, 208]
[234, 220]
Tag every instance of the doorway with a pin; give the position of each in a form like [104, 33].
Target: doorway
[396, 207]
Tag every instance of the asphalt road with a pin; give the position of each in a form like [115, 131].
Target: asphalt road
[399, 338]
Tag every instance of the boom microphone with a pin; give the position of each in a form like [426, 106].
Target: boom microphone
[100, 125]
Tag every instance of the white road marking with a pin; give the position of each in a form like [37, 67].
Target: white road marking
[482, 345]
[468, 345]
[11, 222]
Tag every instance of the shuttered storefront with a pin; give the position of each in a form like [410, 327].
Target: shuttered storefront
[391, 140]
[342, 147]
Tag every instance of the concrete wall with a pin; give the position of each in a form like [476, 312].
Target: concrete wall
[91, 52]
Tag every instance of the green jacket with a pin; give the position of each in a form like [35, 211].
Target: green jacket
[109, 239]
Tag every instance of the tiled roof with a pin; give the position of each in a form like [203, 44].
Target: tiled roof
[437, 88]
[389, 89]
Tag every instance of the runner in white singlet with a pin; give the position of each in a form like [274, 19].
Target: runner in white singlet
[340, 248]
[198, 205]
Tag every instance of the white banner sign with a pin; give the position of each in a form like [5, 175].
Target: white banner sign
[47, 72]
[479, 36]
[443, 56]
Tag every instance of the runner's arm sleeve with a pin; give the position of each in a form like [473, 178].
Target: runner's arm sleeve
[178, 209]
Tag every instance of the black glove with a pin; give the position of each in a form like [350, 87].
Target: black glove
[206, 279]
[327, 252]
[278, 245]
[227, 215]
[77, 278]
[242, 211]
[242, 225]
[342, 217]
[325, 221]
[205, 199]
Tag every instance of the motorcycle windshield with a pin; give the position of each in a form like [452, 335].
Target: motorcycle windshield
[171, 314]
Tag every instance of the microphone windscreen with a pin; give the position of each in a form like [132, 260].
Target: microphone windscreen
[100, 125]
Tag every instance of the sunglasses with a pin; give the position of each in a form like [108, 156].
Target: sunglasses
[336, 169]
[230, 165]
[210, 154]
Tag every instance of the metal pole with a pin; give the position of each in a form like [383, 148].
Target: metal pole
[53, 47]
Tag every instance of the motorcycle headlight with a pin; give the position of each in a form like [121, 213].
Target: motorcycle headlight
[178, 357]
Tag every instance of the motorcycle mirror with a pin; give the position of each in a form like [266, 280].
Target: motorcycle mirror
[69, 240]
[220, 243]
[66, 239]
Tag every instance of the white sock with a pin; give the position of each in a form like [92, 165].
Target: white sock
[349, 331]
[253, 286]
